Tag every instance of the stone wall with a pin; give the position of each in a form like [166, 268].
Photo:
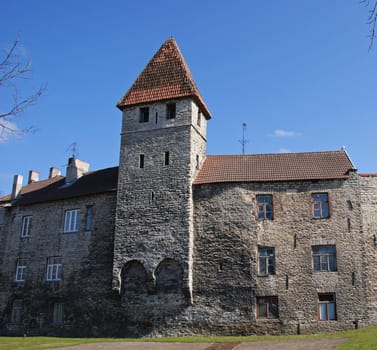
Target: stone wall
[227, 236]
[85, 284]
[154, 221]
[368, 202]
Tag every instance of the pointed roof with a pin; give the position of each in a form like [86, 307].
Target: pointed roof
[275, 167]
[165, 77]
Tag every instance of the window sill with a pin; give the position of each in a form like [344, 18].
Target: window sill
[266, 319]
[267, 275]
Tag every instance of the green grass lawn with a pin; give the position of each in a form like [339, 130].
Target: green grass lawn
[361, 339]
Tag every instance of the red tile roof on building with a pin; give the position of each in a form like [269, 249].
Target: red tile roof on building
[94, 182]
[275, 167]
[165, 77]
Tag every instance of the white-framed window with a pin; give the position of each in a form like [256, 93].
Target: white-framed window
[21, 270]
[16, 316]
[26, 226]
[72, 220]
[54, 268]
[58, 314]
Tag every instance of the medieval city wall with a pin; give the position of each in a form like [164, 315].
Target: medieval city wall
[227, 236]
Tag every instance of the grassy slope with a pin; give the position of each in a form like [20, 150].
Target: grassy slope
[362, 339]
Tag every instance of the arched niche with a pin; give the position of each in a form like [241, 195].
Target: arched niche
[133, 279]
[169, 275]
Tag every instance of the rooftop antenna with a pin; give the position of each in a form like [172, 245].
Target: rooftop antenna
[73, 148]
[243, 141]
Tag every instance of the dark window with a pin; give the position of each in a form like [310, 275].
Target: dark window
[199, 118]
[320, 205]
[144, 115]
[141, 161]
[167, 159]
[58, 314]
[324, 258]
[170, 111]
[197, 161]
[267, 307]
[266, 261]
[89, 218]
[326, 307]
[16, 316]
[265, 207]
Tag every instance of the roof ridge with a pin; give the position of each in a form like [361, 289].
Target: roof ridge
[277, 153]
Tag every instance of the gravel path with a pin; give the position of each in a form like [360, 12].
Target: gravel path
[308, 344]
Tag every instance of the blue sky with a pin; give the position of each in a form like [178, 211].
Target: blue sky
[297, 72]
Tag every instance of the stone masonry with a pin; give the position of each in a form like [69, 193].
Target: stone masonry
[177, 242]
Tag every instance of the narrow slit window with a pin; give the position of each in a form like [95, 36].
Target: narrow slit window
[141, 161]
[199, 118]
[167, 158]
[89, 218]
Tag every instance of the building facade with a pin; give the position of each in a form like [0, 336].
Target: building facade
[175, 241]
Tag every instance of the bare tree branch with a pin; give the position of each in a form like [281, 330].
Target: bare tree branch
[14, 67]
[371, 20]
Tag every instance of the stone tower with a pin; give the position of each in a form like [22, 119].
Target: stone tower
[163, 144]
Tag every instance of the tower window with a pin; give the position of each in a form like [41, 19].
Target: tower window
[141, 161]
[199, 118]
[167, 158]
[170, 110]
[144, 115]
[197, 162]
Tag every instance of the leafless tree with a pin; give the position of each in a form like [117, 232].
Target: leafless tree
[372, 19]
[14, 68]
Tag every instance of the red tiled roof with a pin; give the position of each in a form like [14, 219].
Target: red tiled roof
[165, 77]
[275, 167]
[368, 175]
[105, 180]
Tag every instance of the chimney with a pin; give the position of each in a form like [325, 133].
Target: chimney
[33, 176]
[75, 169]
[17, 186]
[54, 172]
